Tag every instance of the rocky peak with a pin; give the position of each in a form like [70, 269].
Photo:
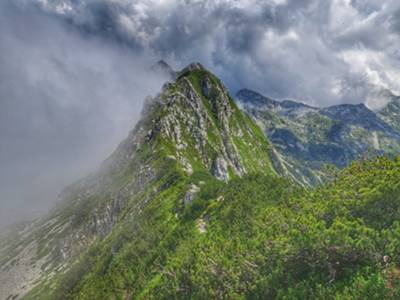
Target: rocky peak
[294, 104]
[391, 113]
[162, 64]
[250, 100]
[248, 97]
[165, 69]
[305, 137]
[357, 114]
[204, 125]
[348, 110]
[193, 66]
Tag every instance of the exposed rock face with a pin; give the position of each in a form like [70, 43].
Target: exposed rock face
[201, 226]
[191, 194]
[307, 138]
[87, 212]
[163, 68]
[391, 112]
[220, 169]
[358, 115]
[206, 86]
[192, 67]
[25, 268]
[199, 121]
[249, 99]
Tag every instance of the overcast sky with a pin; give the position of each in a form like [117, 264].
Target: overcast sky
[73, 73]
[318, 51]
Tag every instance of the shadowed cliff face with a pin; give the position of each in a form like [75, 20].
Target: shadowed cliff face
[308, 138]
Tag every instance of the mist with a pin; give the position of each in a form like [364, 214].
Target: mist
[67, 99]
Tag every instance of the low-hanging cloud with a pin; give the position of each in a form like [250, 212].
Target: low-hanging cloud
[321, 52]
[66, 100]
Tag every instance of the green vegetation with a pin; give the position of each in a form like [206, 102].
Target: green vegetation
[187, 235]
[264, 239]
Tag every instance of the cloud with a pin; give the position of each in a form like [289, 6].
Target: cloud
[311, 50]
[66, 101]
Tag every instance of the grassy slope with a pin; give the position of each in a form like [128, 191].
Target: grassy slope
[267, 240]
[154, 220]
[264, 239]
[263, 242]
[252, 145]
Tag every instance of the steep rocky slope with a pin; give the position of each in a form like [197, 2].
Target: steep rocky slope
[307, 140]
[191, 137]
[391, 112]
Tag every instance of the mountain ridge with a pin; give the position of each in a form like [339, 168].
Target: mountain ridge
[309, 138]
[192, 129]
[190, 206]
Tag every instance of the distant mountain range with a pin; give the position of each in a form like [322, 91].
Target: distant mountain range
[307, 139]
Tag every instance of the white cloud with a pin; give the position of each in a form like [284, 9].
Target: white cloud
[284, 48]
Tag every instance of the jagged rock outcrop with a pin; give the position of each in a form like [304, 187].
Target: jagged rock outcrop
[190, 194]
[164, 69]
[200, 120]
[390, 113]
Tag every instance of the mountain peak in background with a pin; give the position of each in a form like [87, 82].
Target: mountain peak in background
[307, 139]
[165, 69]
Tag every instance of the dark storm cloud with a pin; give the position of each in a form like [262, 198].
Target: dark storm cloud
[66, 101]
[322, 52]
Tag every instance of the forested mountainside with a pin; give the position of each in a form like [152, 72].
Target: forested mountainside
[308, 139]
[190, 206]
[191, 130]
[259, 237]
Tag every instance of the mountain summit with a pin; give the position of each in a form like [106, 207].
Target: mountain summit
[191, 135]
[165, 69]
